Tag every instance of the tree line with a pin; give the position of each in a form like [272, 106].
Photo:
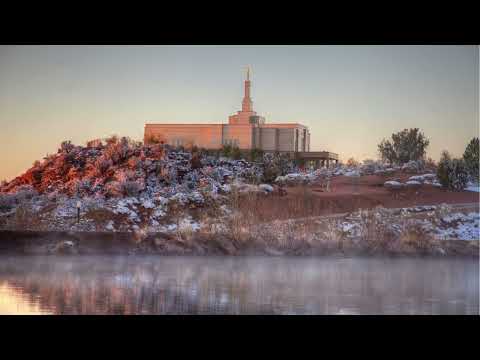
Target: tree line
[411, 145]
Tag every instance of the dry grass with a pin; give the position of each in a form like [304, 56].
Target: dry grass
[263, 207]
[100, 217]
[246, 228]
[26, 219]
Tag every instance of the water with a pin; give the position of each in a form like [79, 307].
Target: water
[226, 285]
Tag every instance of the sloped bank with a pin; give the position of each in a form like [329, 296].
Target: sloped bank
[127, 243]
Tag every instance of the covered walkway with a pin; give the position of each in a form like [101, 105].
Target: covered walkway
[319, 159]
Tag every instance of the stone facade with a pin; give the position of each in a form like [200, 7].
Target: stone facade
[245, 129]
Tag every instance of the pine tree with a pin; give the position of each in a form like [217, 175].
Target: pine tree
[470, 156]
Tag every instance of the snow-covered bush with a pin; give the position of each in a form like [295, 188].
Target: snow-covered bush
[369, 167]
[275, 165]
[452, 173]
[134, 163]
[7, 202]
[25, 192]
[81, 186]
[414, 166]
[458, 175]
[125, 187]
[118, 150]
[130, 188]
[102, 164]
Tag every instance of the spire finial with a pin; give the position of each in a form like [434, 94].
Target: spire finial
[248, 73]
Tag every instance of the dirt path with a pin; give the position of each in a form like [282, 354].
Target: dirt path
[465, 207]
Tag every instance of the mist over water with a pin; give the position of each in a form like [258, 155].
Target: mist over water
[237, 285]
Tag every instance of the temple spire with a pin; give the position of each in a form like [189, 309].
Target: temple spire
[247, 102]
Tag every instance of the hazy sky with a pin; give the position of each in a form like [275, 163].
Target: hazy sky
[350, 96]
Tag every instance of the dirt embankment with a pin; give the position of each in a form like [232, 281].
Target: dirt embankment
[103, 243]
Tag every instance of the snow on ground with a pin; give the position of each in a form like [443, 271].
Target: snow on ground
[460, 227]
[454, 226]
[475, 188]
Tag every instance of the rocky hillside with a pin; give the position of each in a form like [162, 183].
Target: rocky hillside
[125, 185]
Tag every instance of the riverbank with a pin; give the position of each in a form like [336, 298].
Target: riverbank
[443, 230]
[126, 243]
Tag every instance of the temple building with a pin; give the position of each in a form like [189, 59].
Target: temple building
[245, 129]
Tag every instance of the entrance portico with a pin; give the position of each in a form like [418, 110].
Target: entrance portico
[319, 158]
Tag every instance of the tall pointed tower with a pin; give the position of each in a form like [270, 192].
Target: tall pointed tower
[247, 104]
[246, 116]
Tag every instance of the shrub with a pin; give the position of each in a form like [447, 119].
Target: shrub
[226, 150]
[134, 163]
[442, 168]
[24, 192]
[100, 216]
[430, 164]
[470, 156]
[270, 173]
[352, 162]
[275, 165]
[7, 201]
[124, 188]
[102, 164]
[414, 166]
[256, 154]
[452, 173]
[236, 153]
[195, 162]
[458, 175]
[117, 150]
[66, 147]
[81, 186]
[95, 143]
[111, 140]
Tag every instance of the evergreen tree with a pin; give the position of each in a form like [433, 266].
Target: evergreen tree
[470, 156]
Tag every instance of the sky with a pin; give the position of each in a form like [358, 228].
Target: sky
[351, 97]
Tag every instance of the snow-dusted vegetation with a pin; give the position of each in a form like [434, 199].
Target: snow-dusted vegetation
[123, 185]
[205, 202]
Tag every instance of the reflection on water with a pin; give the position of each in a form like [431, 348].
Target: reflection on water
[225, 285]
